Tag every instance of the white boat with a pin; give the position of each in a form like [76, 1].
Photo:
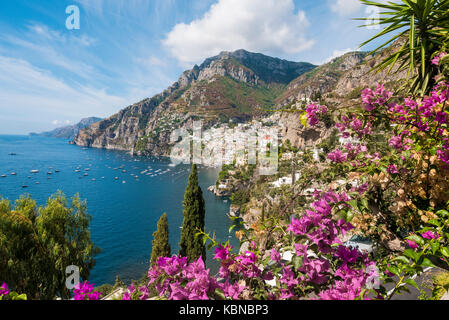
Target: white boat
[13, 173]
[34, 171]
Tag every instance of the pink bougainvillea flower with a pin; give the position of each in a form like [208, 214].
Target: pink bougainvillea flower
[412, 244]
[275, 255]
[4, 289]
[393, 169]
[337, 156]
[430, 235]
[222, 253]
[436, 60]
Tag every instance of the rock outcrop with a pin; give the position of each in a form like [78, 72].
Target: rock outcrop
[233, 85]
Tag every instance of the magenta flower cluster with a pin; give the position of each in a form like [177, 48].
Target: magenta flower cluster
[4, 290]
[427, 116]
[175, 279]
[317, 227]
[314, 111]
[358, 126]
[85, 291]
[436, 59]
[373, 99]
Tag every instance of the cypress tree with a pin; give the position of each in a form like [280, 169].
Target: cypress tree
[161, 246]
[194, 214]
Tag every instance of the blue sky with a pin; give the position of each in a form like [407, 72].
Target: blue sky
[127, 50]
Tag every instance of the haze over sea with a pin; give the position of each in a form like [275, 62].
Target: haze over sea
[124, 211]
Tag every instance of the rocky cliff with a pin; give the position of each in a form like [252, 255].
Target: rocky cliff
[231, 86]
[238, 86]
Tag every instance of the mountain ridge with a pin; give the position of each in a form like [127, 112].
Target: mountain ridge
[237, 86]
[70, 131]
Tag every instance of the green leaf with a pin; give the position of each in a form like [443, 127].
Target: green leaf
[401, 259]
[412, 283]
[304, 118]
[394, 270]
[297, 262]
[435, 246]
[445, 251]
[427, 263]
[220, 294]
[443, 213]
[411, 254]
[23, 296]
[365, 204]
[353, 203]
[435, 222]
[417, 239]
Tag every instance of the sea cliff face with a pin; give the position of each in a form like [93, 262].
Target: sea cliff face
[231, 86]
[236, 86]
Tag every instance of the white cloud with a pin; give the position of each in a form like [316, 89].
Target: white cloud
[269, 26]
[338, 53]
[151, 61]
[345, 7]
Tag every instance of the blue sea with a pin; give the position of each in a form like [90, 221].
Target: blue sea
[124, 211]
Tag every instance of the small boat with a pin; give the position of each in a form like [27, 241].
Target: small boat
[94, 179]
[116, 178]
[37, 182]
[124, 171]
[86, 174]
[57, 171]
[49, 172]
[87, 169]
[13, 173]
[3, 175]
[123, 181]
[34, 171]
[24, 186]
[13, 154]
